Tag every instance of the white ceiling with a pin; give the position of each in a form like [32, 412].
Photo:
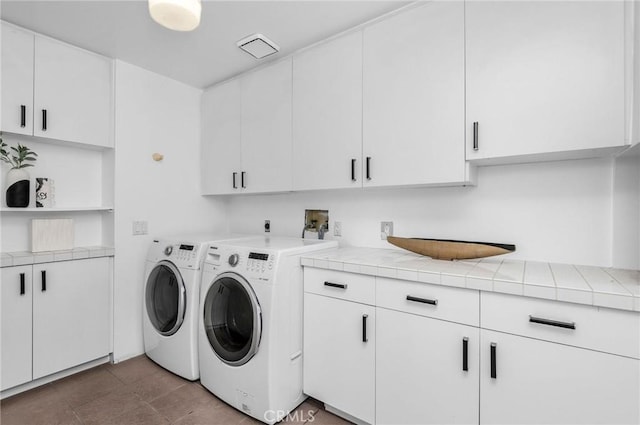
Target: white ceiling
[124, 30]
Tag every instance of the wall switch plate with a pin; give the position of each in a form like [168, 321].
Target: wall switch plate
[267, 226]
[337, 228]
[140, 227]
[386, 229]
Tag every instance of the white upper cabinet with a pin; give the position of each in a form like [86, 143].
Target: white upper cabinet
[265, 102]
[327, 115]
[544, 77]
[246, 133]
[17, 80]
[413, 97]
[220, 159]
[53, 90]
[73, 95]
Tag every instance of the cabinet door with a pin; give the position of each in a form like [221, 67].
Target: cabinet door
[327, 115]
[427, 356]
[17, 80]
[220, 160]
[74, 88]
[544, 76]
[15, 340]
[72, 314]
[413, 97]
[538, 382]
[339, 366]
[266, 128]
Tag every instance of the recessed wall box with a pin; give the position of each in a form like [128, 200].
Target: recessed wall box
[258, 46]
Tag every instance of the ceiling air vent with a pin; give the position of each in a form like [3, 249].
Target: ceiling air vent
[258, 46]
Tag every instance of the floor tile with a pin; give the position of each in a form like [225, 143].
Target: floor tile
[156, 385]
[143, 415]
[184, 400]
[87, 386]
[303, 413]
[133, 369]
[48, 412]
[212, 415]
[104, 408]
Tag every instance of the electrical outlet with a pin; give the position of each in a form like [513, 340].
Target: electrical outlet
[267, 226]
[337, 228]
[386, 229]
[140, 227]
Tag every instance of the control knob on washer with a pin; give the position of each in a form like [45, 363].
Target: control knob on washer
[233, 260]
[168, 250]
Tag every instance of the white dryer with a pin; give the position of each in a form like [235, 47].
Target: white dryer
[171, 301]
[250, 327]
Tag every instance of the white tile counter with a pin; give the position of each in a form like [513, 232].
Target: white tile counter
[8, 259]
[597, 286]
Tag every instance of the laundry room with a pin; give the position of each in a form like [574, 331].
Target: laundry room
[225, 212]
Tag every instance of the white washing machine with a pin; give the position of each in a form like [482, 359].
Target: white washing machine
[171, 301]
[250, 327]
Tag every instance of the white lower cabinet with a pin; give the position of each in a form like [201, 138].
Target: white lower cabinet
[15, 346]
[539, 382]
[442, 355]
[339, 354]
[62, 320]
[72, 314]
[426, 370]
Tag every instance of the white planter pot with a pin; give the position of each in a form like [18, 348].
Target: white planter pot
[18, 188]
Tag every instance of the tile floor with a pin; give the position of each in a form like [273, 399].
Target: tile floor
[138, 392]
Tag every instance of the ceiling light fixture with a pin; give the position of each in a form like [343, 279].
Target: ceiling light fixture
[258, 46]
[177, 15]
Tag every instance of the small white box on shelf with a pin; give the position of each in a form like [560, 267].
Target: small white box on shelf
[51, 234]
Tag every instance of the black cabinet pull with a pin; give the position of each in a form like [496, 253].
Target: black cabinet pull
[364, 328]
[242, 180]
[23, 116]
[465, 354]
[475, 136]
[336, 285]
[44, 120]
[353, 169]
[22, 289]
[493, 360]
[44, 280]
[368, 168]
[422, 300]
[234, 180]
[549, 322]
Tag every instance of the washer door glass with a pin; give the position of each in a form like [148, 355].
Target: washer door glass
[232, 319]
[165, 298]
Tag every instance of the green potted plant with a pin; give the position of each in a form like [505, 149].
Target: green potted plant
[18, 181]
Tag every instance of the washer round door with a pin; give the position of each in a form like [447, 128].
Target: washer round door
[165, 298]
[232, 319]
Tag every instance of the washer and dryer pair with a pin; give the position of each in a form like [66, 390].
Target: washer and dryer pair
[230, 312]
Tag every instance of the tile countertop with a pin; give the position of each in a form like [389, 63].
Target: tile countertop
[597, 286]
[8, 259]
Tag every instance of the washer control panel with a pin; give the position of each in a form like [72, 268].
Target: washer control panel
[184, 255]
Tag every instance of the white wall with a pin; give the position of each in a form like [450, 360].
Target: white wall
[556, 211]
[153, 114]
[626, 210]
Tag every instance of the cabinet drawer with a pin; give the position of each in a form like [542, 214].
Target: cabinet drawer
[346, 286]
[440, 302]
[597, 328]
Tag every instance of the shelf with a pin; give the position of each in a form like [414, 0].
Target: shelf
[55, 209]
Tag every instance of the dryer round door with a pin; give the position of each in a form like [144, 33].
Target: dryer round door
[232, 319]
[165, 298]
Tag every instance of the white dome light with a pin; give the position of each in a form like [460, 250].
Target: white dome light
[177, 15]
